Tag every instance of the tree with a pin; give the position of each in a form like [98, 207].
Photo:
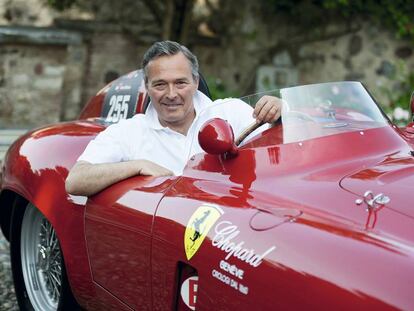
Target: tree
[272, 25]
[172, 18]
[180, 20]
[397, 15]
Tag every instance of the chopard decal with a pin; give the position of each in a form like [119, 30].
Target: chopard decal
[225, 233]
[198, 226]
[229, 280]
[232, 269]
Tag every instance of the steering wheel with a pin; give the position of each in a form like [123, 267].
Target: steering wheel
[250, 129]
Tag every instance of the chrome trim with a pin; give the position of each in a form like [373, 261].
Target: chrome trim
[373, 202]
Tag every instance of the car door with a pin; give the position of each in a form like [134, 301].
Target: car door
[118, 229]
[208, 211]
[268, 229]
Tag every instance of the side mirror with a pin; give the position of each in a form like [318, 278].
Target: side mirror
[216, 137]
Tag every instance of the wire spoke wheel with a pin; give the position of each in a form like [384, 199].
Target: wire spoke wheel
[41, 260]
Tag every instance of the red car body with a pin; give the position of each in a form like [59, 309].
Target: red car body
[286, 231]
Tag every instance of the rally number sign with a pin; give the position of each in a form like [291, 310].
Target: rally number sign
[121, 99]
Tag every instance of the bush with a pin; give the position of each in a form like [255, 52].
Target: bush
[399, 95]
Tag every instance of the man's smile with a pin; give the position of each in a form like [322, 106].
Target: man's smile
[171, 105]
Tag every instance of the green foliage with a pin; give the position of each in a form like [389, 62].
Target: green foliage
[218, 90]
[61, 5]
[397, 15]
[399, 92]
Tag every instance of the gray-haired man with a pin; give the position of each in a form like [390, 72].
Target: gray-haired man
[160, 142]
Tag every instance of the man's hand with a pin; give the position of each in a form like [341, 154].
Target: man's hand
[150, 168]
[268, 109]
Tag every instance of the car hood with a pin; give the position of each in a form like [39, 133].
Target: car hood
[317, 181]
[393, 177]
[326, 199]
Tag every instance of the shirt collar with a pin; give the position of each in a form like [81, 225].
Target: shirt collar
[200, 102]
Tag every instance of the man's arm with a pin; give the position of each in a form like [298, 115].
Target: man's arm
[87, 179]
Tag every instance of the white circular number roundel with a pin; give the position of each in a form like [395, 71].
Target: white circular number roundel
[189, 291]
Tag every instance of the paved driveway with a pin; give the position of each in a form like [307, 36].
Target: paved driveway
[7, 296]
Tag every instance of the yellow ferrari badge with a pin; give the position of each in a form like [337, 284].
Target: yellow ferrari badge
[198, 226]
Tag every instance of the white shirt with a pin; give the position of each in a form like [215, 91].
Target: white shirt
[143, 137]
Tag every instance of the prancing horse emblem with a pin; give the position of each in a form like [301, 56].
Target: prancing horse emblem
[198, 227]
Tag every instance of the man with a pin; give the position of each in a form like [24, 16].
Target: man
[160, 142]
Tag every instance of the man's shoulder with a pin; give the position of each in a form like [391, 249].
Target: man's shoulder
[136, 123]
[138, 117]
[138, 120]
[235, 111]
[229, 101]
[231, 105]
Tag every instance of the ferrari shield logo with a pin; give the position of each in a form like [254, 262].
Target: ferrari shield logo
[198, 226]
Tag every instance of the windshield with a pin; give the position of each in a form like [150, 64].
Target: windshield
[324, 109]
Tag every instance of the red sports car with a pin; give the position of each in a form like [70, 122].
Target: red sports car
[315, 212]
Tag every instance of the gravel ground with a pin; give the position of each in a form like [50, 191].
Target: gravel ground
[7, 296]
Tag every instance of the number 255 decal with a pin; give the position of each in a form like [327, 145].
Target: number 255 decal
[118, 108]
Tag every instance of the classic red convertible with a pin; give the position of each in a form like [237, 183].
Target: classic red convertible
[316, 212]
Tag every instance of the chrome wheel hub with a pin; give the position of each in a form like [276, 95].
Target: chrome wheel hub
[41, 260]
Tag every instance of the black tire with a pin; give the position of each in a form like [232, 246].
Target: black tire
[46, 265]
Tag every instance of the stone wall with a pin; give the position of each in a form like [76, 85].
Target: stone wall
[371, 55]
[50, 79]
[41, 73]
[111, 55]
[32, 83]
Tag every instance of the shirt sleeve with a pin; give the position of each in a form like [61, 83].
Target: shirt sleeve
[108, 146]
[240, 116]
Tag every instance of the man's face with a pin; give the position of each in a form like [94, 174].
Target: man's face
[171, 88]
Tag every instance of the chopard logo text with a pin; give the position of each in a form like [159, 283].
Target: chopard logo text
[225, 233]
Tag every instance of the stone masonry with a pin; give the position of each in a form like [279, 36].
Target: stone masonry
[48, 74]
